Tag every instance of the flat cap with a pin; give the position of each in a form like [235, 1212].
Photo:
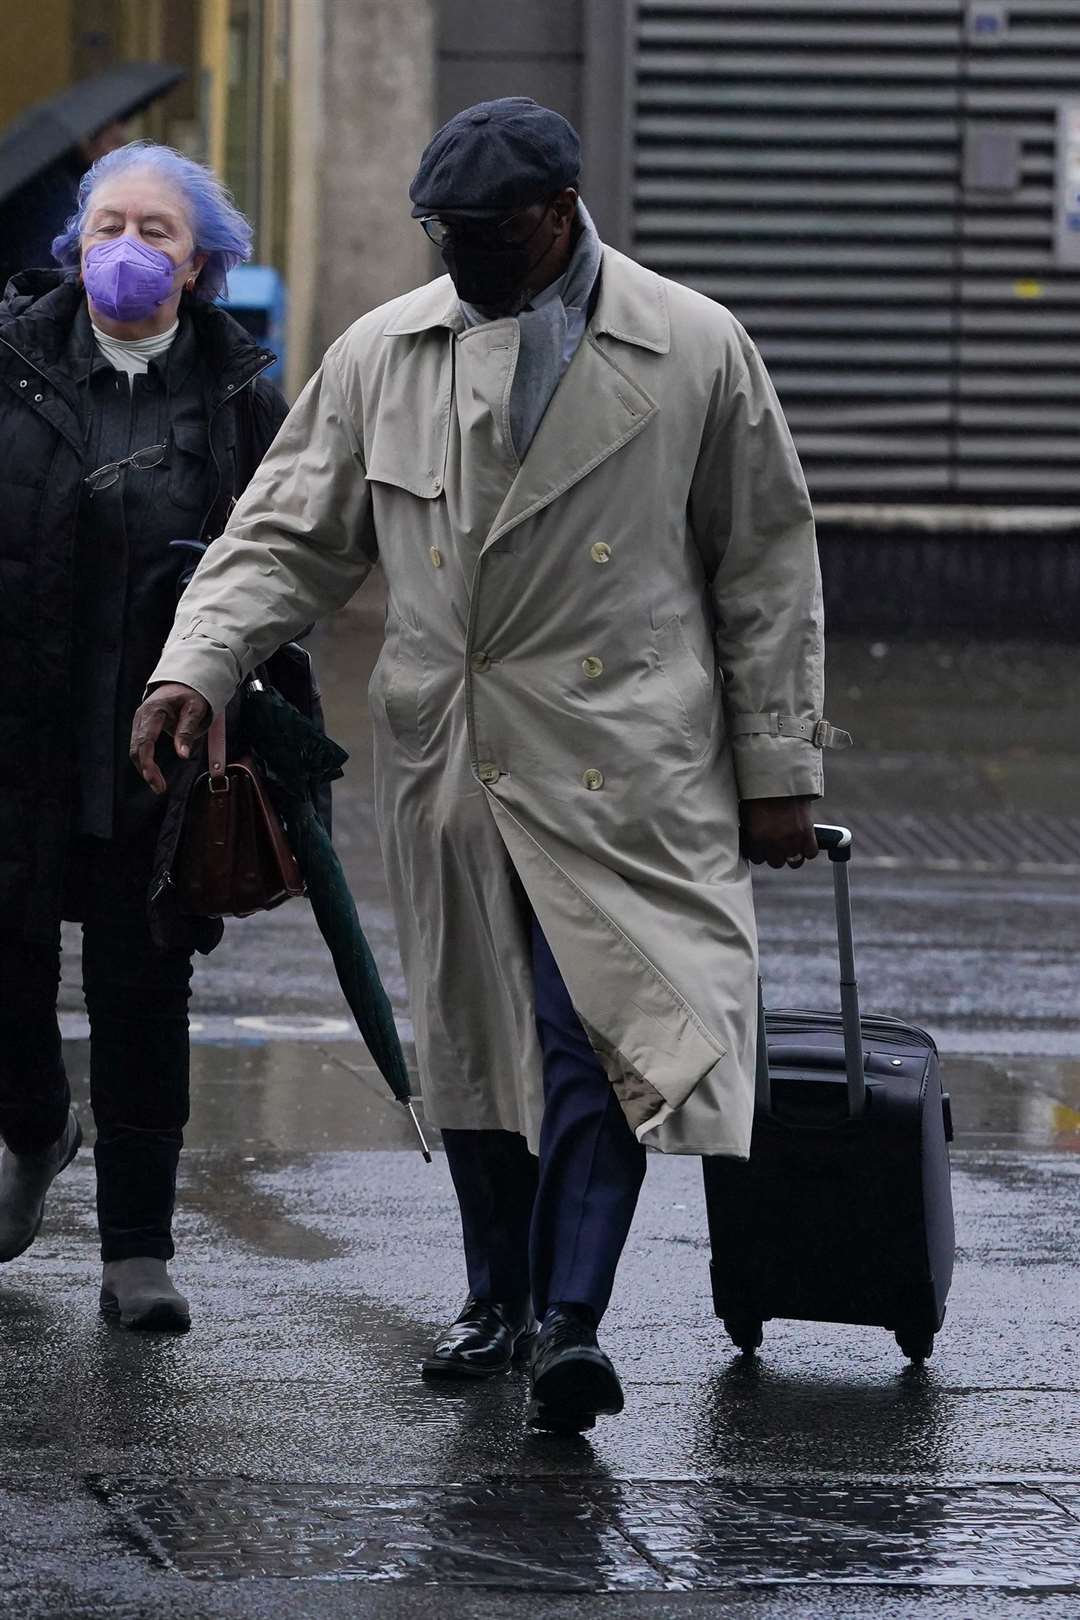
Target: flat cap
[495, 158]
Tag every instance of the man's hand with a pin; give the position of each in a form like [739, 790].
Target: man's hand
[179, 710]
[779, 831]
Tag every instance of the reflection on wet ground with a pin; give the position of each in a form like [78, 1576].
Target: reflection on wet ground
[314, 1097]
[596, 1536]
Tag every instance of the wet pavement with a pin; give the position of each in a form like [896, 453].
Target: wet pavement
[284, 1458]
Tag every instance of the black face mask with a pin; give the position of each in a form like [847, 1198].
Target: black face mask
[489, 274]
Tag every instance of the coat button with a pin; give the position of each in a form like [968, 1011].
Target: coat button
[593, 779]
[488, 773]
[479, 662]
[593, 667]
[600, 551]
[436, 557]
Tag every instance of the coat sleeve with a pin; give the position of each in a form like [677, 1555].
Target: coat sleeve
[753, 524]
[299, 543]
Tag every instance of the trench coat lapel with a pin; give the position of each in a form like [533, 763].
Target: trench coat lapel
[596, 409]
[599, 404]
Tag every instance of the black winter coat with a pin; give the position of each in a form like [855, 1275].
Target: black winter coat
[43, 460]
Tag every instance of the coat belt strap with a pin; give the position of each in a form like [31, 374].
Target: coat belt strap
[818, 732]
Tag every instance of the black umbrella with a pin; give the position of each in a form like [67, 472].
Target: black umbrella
[50, 129]
[296, 757]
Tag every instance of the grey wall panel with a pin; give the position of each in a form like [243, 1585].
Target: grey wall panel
[664, 158]
[490, 48]
[874, 381]
[494, 27]
[886, 293]
[1018, 361]
[826, 94]
[871, 10]
[781, 319]
[805, 64]
[607, 116]
[813, 10]
[551, 80]
[803, 162]
[787, 191]
[1050, 418]
[840, 127]
[816, 417]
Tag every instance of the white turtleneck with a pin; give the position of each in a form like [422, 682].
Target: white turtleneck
[133, 355]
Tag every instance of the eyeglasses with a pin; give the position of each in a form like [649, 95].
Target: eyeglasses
[503, 232]
[105, 477]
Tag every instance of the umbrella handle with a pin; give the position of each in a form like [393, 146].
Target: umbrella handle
[425, 1150]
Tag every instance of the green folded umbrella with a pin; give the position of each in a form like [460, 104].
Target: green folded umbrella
[296, 758]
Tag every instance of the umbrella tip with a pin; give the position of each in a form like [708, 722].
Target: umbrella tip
[421, 1143]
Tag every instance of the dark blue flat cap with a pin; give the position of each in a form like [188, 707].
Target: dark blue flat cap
[495, 158]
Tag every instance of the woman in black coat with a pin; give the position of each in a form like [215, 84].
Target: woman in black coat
[132, 414]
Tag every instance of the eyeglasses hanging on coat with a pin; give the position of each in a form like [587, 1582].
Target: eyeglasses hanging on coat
[104, 477]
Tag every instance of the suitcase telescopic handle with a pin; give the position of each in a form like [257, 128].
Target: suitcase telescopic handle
[836, 843]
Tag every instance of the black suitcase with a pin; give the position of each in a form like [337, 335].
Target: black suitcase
[843, 1212]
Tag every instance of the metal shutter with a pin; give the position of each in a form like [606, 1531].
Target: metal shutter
[1019, 363]
[804, 163]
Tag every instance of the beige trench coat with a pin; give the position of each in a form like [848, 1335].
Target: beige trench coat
[590, 657]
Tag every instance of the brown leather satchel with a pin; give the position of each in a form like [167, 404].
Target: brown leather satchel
[234, 858]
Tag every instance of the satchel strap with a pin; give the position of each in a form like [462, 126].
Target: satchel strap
[216, 751]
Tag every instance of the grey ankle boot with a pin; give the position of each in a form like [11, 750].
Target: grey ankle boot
[25, 1178]
[140, 1294]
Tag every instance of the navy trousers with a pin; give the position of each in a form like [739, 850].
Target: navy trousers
[552, 1227]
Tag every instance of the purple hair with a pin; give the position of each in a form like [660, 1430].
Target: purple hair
[219, 228]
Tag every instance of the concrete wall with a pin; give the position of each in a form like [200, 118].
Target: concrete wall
[490, 48]
[363, 109]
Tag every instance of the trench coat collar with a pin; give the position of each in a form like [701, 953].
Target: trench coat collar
[426, 309]
[632, 307]
[599, 405]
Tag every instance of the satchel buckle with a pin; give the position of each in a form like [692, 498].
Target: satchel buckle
[219, 784]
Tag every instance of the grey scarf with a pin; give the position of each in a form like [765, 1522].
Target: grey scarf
[545, 336]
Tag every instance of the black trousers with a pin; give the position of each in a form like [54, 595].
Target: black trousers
[554, 1227]
[137, 1004]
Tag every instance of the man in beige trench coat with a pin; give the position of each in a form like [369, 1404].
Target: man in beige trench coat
[603, 638]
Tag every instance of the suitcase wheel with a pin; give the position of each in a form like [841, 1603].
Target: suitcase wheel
[916, 1341]
[745, 1332]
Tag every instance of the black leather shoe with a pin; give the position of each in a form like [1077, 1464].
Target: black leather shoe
[573, 1382]
[483, 1342]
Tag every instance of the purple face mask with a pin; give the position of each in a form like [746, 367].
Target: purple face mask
[126, 280]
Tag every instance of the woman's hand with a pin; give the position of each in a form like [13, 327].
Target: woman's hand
[179, 710]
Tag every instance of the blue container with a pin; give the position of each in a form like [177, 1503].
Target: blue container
[257, 300]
